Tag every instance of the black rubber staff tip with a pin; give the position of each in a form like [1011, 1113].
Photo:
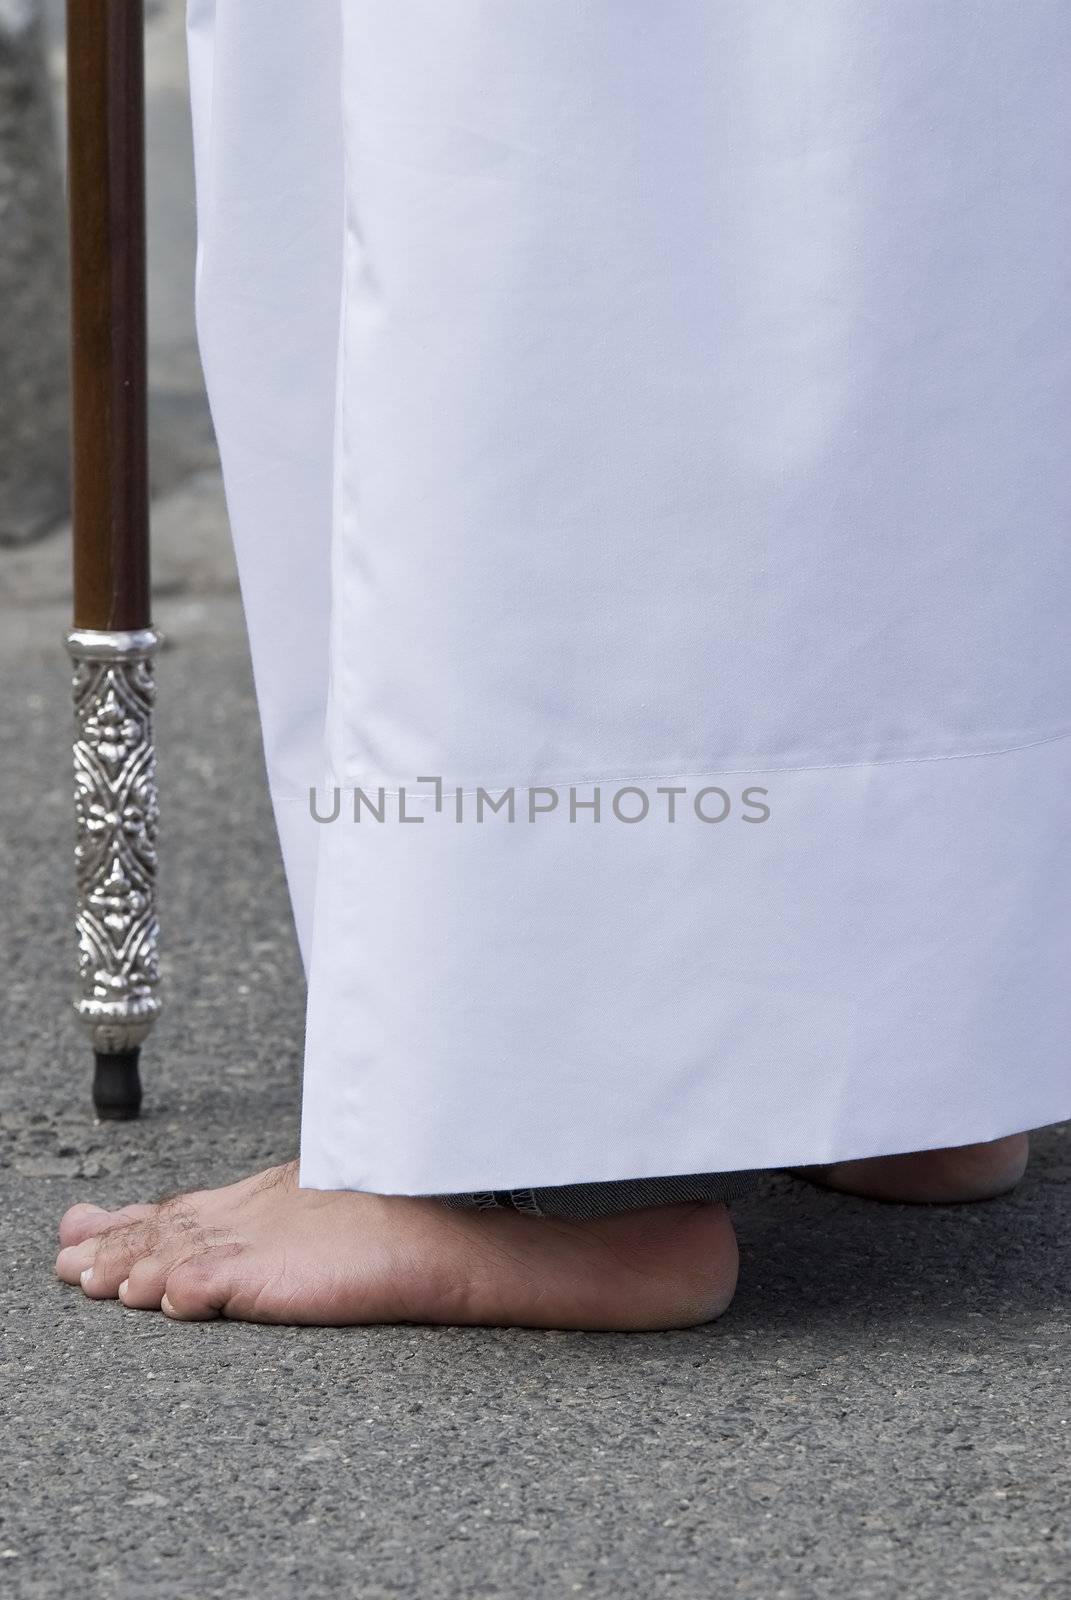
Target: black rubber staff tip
[117, 1086]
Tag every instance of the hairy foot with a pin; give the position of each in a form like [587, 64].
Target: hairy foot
[265, 1250]
[931, 1177]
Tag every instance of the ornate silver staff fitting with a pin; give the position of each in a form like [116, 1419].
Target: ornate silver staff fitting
[115, 852]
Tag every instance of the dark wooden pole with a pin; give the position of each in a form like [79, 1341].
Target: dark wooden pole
[112, 642]
[106, 188]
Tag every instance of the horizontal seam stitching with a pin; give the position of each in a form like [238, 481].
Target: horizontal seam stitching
[708, 772]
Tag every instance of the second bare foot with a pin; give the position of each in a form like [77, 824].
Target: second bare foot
[931, 1177]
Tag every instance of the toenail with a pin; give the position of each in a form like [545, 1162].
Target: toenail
[85, 1277]
[123, 1287]
[166, 1307]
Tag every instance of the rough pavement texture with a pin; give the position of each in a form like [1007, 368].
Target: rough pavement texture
[34, 468]
[34, 474]
[886, 1410]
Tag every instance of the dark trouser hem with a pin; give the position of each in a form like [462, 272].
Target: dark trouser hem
[583, 1201]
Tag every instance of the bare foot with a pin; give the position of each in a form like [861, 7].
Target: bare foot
[264, 1250]
[931, 1177]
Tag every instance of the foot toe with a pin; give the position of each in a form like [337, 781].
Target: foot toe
[74, 1259]
[80, 1221]
[84, 1221]
[199, 1288]
[101, 1263]
[143, 1287]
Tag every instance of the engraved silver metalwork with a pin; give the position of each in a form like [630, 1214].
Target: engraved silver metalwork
[115, 852]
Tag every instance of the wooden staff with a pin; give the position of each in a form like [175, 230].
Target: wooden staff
[112, 642]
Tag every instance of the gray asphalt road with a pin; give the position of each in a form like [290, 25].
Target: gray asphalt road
[180, 430]
[886, 1410]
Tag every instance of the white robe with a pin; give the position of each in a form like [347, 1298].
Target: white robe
[654, 396]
